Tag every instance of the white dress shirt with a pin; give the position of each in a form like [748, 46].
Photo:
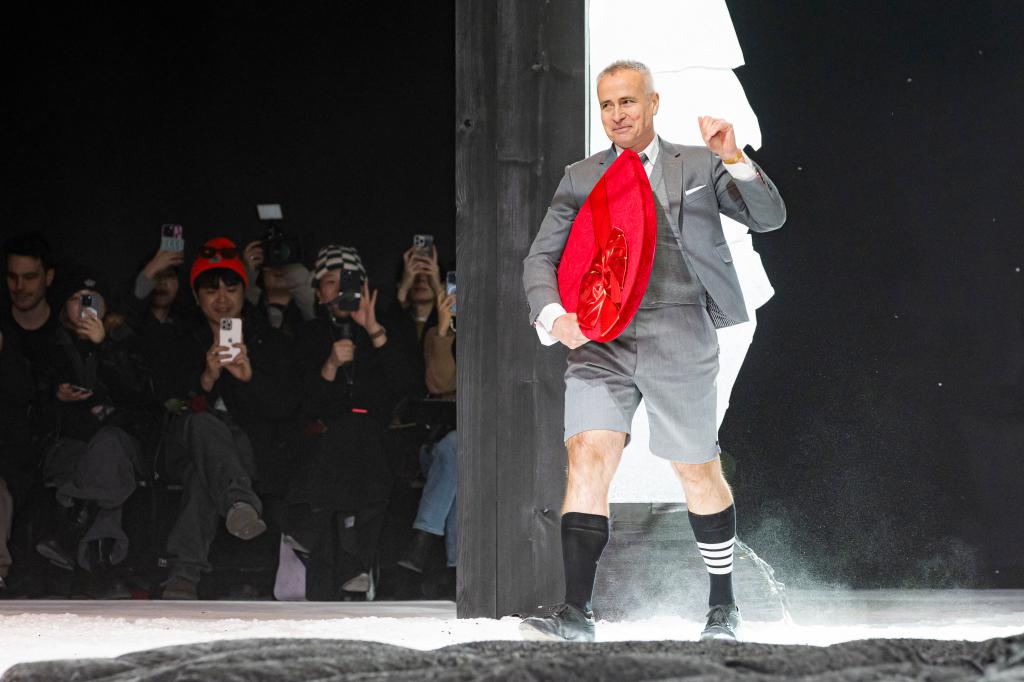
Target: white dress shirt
[741, 171]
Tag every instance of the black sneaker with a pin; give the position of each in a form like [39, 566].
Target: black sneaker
[723, 623]
[418, 551]
[566, 623]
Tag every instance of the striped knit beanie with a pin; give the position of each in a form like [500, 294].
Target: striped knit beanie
[334, 257]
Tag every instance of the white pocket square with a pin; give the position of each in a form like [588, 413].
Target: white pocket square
[694, 189]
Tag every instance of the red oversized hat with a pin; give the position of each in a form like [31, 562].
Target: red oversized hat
[219, 252]
[608, 257]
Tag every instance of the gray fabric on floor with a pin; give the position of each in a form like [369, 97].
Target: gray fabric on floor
[254, 660]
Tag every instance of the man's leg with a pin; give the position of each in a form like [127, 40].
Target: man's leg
[216, 480]
[593, 458]
[712, 515]
[189, 540]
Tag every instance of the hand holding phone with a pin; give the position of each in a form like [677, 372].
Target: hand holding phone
[69, 393]
[172, 238]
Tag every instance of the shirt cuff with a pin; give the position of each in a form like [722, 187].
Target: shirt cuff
[741, 170]
[544, 322]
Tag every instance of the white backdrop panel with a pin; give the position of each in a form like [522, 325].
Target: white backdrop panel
[691, 47]
[665, 34]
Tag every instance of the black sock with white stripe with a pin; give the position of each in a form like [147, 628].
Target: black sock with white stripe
[716, 535]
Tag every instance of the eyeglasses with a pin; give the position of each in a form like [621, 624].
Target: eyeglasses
[223, 251]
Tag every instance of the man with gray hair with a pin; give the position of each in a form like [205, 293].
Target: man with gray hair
[668, 354]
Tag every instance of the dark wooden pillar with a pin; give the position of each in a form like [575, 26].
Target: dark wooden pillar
[520, 116]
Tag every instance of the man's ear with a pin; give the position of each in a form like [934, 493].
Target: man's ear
[49, 276]
[655, 100]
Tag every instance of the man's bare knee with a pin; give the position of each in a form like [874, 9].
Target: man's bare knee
[595, 451]
[593, 458]
[698, 474]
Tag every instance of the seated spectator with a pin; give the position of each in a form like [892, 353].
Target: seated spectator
[29, 271]
[237, 391]
[436, 515]
[419, 286]
[157, 286]
[162, 322]
[92, 457]
[16, 454]
[350, 375]
[281, 293]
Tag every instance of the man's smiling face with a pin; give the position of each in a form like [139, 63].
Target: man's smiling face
[627, 109]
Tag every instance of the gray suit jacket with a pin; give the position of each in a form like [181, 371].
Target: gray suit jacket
[755, 203]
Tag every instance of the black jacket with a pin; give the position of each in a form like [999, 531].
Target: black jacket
[264, 407]
[112, 370]
[374, 381]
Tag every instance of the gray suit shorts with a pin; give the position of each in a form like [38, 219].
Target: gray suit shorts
[669, 357]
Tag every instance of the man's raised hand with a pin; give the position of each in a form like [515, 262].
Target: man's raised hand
[567, 330]
[719, 136]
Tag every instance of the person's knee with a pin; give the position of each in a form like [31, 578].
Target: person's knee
[698, 475]
[594, 454]
[446, 450]
[111, 444]
[203, 426]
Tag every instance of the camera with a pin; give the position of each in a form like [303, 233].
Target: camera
[279, 250]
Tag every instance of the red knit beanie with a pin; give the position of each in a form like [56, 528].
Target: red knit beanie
[218, 253]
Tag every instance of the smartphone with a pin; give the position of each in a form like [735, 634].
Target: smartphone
[86, 303]
[423, 243]
[449, 286]
[172, 238]
[230, 334]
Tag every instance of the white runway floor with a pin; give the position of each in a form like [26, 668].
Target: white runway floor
[39, 630]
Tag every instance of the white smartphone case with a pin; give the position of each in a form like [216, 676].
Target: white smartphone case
[230, 334]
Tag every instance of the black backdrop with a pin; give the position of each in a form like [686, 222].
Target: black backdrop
[878, 424]
[127, 119]
[879, 420]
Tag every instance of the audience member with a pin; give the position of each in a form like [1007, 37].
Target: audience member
[157, 315]
[237, 392]
[350, 374]
[91, 458]
[437, 510]
[419, 286]
[30, 272]
[281, 293]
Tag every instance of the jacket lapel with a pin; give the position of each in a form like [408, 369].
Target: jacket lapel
[609, 156]
[672, 174]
